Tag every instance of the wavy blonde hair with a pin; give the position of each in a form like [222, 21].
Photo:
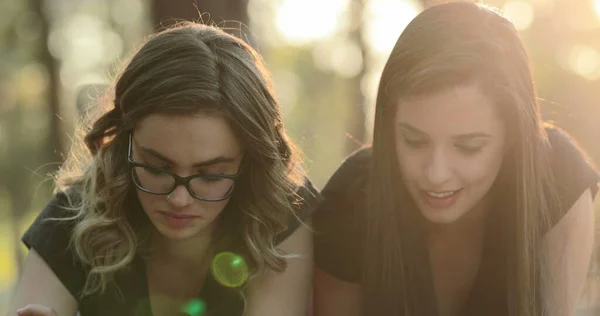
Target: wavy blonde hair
[186, 69]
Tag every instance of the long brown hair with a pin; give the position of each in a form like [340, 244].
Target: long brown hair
[186, 69]
[445, 46]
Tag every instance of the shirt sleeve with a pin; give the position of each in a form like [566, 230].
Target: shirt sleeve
[307, 203]
[573, 171]
[50, 239]
[339, 225]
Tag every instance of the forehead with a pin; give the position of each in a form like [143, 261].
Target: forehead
[198, 136]
[457, 110]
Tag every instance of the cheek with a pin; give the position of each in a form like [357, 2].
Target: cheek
[482, 169]
[409, 161]
[410, 165]
[213, 209]
[149, 200]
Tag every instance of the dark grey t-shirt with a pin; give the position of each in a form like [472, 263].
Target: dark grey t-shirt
[51, 240]
[339, 248]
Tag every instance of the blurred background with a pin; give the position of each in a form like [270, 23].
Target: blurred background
[325, 57]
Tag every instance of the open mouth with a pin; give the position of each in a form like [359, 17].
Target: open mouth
[442, 194]
[440, 199]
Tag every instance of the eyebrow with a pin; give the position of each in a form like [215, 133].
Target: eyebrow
[467, 136]
[206, 163]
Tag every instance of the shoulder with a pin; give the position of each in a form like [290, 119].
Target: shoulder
[50, 236]
[344, 195]
[55, 220]
[305, 201]
[565, 148]
[573, 171]
[339, 221]
[352, 174]
[358, 160]
[307, 198]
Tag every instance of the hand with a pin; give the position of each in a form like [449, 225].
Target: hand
[36, 310]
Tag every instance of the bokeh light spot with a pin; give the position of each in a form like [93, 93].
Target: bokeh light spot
[300, 23]
[585, 61]
[229, 269]
[342, 56]
[597, 8]
[521, 13]
[386, 19]
[194, 307]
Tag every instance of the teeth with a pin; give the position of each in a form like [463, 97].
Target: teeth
[441, 195]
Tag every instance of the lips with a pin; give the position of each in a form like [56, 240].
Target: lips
[441, 195]
[440, 199]
[177, 221]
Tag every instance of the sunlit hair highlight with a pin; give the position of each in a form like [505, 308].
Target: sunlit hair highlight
[449, 45]
[187, 69]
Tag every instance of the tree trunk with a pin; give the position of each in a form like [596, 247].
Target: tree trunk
[356, 120]
[17, 186]
[55, 145]
[231, 15]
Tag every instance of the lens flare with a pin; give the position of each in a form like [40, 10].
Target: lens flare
[194, 307]
[229, 269]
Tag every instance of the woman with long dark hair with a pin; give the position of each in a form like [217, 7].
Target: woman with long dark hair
[466, 203]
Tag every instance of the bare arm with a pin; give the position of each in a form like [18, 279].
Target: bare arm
[39, 285]
[334, 297]
[567, 249]
[288, 292]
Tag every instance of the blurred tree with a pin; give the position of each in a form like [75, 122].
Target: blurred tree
[18, 182]
[356, 119]
[24, 148]
[55, 147]
[24, 124]
[232, 15]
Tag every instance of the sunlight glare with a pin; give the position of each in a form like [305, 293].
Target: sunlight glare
[585, 61]
[520, 13]
[543, 7]
[288, 87]
[85, 41]
[8, 267]
[31, 80]
[347, 60]
[386, 19]
[303, 21]
[597, 8]
[341, 56]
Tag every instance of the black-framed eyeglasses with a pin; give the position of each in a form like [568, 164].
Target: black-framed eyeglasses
[159, 181]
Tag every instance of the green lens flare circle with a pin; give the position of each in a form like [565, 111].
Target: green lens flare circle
[229, 269]
[194, 307]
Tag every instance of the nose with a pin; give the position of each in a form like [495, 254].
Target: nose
[180, 197]
[437, 169]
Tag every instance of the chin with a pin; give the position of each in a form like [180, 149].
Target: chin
[179, 233]
[442, 216]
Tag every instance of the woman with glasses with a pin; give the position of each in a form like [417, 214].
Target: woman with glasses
[187, 198]
[466, 203]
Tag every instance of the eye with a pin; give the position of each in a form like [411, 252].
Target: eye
[154, 171]
[211, 178]
[469, 149]
[415, 143]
